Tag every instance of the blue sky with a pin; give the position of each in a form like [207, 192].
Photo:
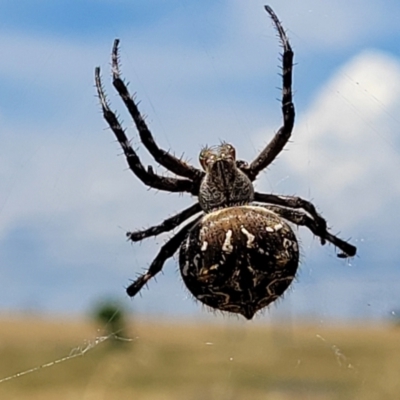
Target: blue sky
[203, 72]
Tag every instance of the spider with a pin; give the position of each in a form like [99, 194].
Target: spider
[238, 252]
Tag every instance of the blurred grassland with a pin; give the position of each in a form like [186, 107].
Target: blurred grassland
[226, 360]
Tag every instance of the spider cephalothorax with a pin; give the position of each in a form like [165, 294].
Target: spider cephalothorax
[224, 184]
[239, 253]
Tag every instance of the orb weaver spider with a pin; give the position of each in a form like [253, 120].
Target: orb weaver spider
[238, 253]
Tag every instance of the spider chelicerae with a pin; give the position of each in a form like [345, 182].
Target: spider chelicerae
[238, 253]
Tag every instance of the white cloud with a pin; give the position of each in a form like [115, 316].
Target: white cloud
[345, 147]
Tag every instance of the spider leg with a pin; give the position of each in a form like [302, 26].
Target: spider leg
[294, 202]
[280, 139]
[167, 251]
[166, 225]
[301, 218]
[163, 157]
[148, 177]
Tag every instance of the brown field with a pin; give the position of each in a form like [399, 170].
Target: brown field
[194, 362]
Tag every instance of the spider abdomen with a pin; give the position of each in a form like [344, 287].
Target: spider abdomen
[239, 259]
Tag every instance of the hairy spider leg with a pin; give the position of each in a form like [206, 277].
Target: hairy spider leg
[294, 202]
[280, 139]
[148, 177]
[163, 157]
[166, 225]
[166, 251]
[301, 218]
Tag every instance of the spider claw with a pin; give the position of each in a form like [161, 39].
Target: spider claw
[342, 255]
[115, 60]
[133, 289]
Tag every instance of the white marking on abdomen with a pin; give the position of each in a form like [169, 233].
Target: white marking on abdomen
[250, 237]
[227, 245]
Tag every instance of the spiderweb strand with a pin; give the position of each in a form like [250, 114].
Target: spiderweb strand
[75, 352]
